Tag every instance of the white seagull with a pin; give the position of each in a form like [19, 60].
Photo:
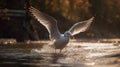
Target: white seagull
[59, 40]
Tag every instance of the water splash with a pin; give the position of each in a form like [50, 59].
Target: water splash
[45, 49]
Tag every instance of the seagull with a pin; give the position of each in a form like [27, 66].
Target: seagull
[59, 40]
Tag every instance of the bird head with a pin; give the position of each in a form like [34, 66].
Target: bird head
[67, 34]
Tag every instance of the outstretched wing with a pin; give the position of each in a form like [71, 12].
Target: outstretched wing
[49, 22]
[80, 26]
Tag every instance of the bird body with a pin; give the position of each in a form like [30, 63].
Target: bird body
[60, 40]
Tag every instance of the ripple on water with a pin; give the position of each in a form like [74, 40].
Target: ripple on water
[75, 54]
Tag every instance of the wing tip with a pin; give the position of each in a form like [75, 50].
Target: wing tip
[91, 19]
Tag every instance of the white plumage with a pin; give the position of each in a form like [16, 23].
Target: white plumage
[60, 40]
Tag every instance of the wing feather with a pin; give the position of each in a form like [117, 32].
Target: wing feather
[49, 22]
[80, 26]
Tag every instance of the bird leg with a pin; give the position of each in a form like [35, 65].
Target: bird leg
[55, 51]
[60, 51]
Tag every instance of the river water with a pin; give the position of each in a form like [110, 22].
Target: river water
[76, 54]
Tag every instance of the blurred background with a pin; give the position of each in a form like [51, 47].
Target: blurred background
[16, 22]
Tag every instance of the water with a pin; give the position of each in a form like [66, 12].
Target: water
[76, 54]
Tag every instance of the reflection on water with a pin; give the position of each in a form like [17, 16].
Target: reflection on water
[76, 54]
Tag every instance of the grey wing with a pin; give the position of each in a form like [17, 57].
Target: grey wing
[49, 22]
[80, 26]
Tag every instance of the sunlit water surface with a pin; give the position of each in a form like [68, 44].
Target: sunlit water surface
[76, 54]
